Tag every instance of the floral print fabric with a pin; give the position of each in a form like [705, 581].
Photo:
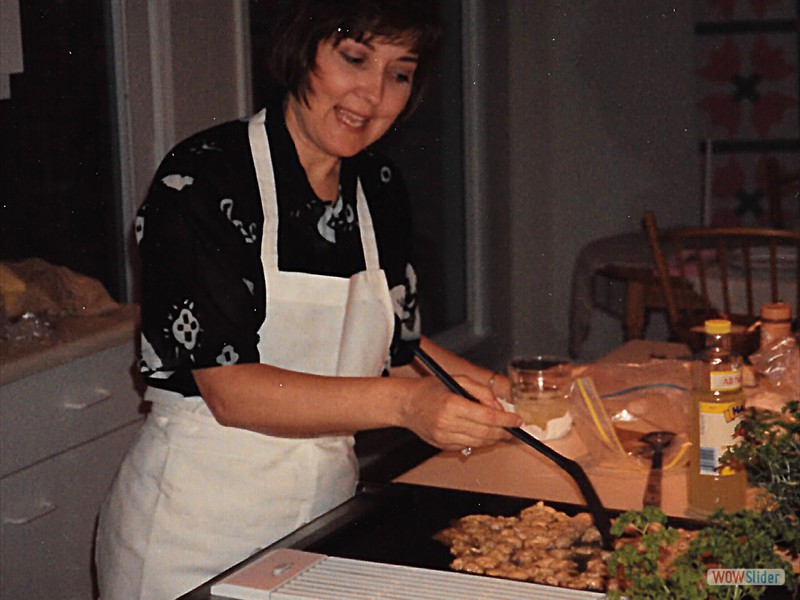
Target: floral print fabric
[749, 109]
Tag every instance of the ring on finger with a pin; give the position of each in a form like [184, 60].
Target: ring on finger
[466, 451]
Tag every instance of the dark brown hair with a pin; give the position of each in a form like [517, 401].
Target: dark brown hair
[300, 25]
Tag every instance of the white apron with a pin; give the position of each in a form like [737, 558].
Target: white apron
[192, 497]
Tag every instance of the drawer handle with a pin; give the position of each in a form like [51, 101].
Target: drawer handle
[45, 508]
[100, 395]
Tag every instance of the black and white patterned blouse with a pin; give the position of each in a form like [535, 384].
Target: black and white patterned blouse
[199, 235]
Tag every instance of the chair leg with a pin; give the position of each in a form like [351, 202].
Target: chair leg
[635, 310]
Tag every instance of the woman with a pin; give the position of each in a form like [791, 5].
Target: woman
[277, 289]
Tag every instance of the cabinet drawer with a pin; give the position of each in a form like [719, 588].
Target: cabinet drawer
[48, 519]
[62, 407]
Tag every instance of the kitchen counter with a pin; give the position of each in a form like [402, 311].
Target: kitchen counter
[515, 469]
[71, 338]
[69, 409]
[498, 480]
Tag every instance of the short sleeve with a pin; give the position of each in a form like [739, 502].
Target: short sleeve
[202, 283]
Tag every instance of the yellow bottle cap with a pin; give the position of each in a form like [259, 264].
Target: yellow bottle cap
[717, 326]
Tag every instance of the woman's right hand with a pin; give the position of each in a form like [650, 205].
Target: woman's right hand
[449, 421]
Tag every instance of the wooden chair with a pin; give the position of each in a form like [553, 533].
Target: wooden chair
[706, 272]
[781, 184]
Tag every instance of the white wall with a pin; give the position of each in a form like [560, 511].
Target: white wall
[210, 77]
[182, 67]
[601, 128]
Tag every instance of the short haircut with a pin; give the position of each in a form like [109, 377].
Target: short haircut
[301, 25]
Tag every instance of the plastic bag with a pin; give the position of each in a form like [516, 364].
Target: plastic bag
[614, 405]
[779, 362]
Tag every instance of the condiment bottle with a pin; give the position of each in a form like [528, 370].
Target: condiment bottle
[776, 323]
[717, 401]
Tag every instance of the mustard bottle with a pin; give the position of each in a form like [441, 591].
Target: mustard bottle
[717, 402]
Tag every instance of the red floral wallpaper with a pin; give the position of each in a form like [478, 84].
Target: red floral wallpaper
[748, 105]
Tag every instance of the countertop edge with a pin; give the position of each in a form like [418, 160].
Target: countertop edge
[80, 337]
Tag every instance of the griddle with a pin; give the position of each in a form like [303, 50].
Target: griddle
[394, 523]
[397, 523]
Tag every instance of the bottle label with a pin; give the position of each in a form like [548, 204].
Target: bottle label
[726, 381]
[718, 422]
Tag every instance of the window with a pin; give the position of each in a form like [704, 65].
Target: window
[60, 196]
[428, 149]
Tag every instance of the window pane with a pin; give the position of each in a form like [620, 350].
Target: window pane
[428, 149]
[57, 146]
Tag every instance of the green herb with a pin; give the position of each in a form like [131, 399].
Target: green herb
[638, 561]
[640, 520]
[769, 449]
[731, 540]
[735, 540]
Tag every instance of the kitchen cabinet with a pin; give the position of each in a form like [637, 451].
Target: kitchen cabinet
[63, 432]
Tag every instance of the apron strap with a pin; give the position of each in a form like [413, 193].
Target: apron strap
[368, 241]
[262, 161]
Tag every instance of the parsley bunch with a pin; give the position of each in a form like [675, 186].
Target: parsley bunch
[731, 540]
[637, 564]
[769, 448]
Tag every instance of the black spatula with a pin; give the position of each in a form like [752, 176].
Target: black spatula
[573, 469]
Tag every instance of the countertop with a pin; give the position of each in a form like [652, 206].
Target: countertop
[72, 338]
[509, 470]
[515, 469]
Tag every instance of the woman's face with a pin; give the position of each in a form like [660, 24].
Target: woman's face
[356, 92]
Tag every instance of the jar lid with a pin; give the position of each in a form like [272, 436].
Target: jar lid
[717, 326]
[779, 311]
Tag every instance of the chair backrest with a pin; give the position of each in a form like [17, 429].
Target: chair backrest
[711, 271]
[781, 184]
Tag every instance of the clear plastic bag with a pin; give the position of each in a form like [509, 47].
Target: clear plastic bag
[614, 405]
[779, 362]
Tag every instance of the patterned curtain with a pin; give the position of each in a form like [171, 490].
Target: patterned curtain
[748, 55]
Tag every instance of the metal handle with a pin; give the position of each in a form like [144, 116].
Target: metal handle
[99, 395]
[44, 509]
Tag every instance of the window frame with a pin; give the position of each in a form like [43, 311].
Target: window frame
[142, 35]
[476, 327]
